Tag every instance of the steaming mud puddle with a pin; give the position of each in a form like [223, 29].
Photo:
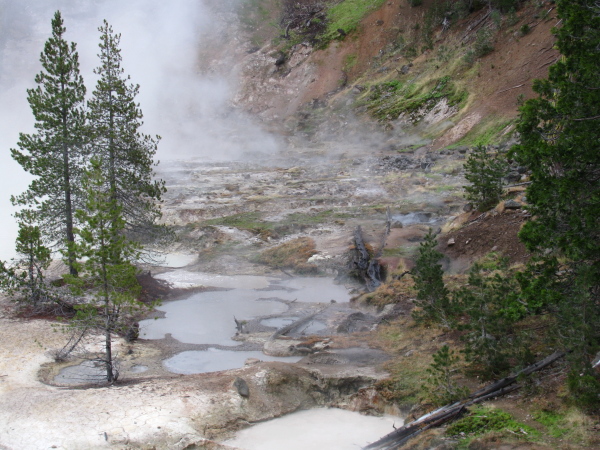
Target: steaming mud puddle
[214, 360]
[206, 319]
[316, 429]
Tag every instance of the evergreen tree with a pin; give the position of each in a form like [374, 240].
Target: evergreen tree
[432, 295]
[485, 172]
[24, 278]
[127, 155]
[441, 386]
[490, 309]
[54, 154]
[113, 281]
[559, 143]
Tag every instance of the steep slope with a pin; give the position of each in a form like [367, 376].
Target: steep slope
[402, 52]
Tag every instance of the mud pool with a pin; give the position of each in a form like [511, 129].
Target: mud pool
[207, 319]
[214, 360]
[88, 372]
[316, 429]
[313, 326]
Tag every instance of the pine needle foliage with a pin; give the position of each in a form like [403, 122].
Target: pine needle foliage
[127, 155]
[559, 144]
[24, 279]
[432, 295]
[55, 154]
[107, 270]
[441, 386]
[484, 170]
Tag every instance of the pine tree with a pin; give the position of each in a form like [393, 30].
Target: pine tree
[24, 278]
[54, 154]
[127, 155]
[441, 385]
[485, 172]
[490, 309]
[559, 143]
[113, 281]
[432, 295]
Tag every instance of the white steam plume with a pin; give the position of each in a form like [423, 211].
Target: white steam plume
[161, 43]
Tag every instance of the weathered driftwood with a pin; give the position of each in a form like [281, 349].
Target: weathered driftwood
[446, 413]
[239, 325]
[275, 347]
[298, 323]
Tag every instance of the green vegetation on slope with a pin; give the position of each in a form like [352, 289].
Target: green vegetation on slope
[483, 420]
[390, 99]
[346, 16]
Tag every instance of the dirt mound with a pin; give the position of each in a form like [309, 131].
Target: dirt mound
[482, 234]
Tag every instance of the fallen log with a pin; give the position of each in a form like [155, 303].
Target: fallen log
[298, 323]
[398, 437]
[274, 347]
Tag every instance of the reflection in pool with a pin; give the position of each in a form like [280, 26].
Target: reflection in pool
[313, 290]
[214, 360]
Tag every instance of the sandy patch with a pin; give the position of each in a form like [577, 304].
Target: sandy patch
[35, 415]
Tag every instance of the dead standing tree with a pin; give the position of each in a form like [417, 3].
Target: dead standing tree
[367, 264]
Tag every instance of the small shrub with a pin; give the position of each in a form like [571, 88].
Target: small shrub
[511, 18]
[585, 390]
[441, 386]
[496, 18]
[414, 3]
[490, 307]
[525, 29]
[469, 58]
[443, 54]
[483, 43]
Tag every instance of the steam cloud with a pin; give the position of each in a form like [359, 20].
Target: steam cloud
[161, 43]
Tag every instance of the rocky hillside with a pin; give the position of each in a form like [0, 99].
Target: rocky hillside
[437, 74]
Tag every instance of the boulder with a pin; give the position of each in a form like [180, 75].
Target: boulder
[512, 204]
[242, 387]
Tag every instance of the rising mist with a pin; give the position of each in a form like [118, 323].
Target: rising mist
[185, 100]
